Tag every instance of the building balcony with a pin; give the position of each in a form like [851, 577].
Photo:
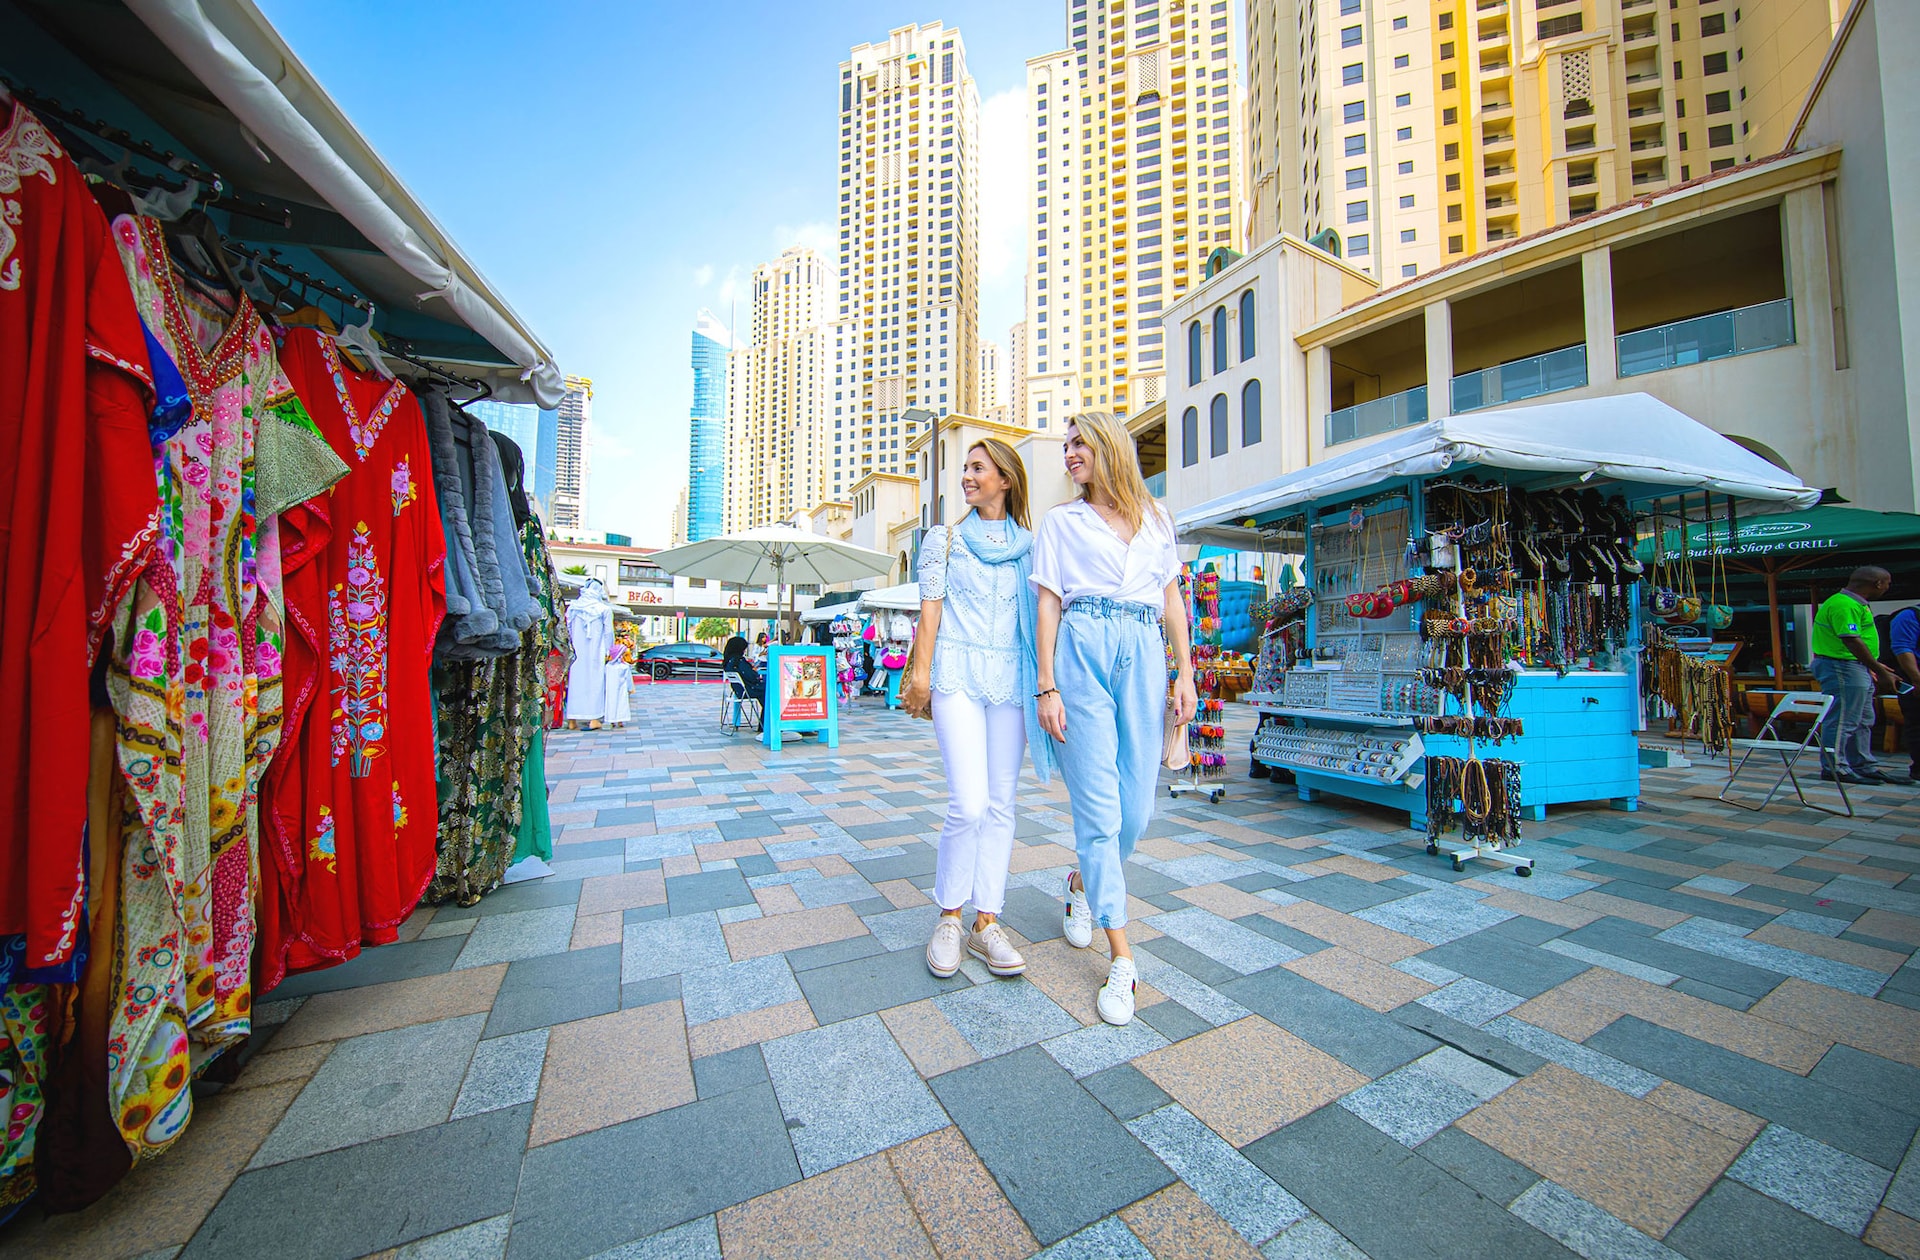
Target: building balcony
[1494, 36]
[1496, 107]
[1549, 373]
[1497, 140]
[1498, 174]
[1380, 415]
[1722, 335]
[1585, 179]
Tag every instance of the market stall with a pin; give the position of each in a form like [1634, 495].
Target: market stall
[893, 614]
[1466, 645]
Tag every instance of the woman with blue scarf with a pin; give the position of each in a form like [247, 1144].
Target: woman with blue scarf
[974, 664]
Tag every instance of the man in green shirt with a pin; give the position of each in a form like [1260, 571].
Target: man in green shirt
[1846, 664]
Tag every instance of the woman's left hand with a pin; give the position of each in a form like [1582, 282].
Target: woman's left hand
[1185, 699]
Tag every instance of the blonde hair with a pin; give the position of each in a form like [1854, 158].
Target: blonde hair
[1116, 467]
[1007, 461]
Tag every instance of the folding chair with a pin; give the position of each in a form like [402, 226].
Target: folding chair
[1811, 706]
[738, 710]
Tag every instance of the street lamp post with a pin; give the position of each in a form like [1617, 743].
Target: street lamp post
[913, 415]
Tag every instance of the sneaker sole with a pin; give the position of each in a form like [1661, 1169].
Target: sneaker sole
[944, 975]
[998, 971]
[1117, 1023]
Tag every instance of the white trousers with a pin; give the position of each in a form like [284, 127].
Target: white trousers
[982, 746]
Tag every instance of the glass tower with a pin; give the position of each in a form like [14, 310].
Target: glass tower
[707, 457]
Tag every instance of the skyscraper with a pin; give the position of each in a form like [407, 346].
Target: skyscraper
[1016, 376]
[1422, 133]
[991, 394]
[546, 462]
[777, 436]
[706, 450]
[1135, 179]
[907, 328]
[570, 449]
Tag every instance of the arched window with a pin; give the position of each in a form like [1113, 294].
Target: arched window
[1219, 338]
[1250, 413]
[1190, 436]
[1246, 326]
[1193, 353]
[1217, 421]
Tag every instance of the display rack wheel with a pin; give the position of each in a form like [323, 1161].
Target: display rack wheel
[1433, 850]
[1459, 865]
[1524, 872]
[1171, 792]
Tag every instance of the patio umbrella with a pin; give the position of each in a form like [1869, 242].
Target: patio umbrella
[779, 554]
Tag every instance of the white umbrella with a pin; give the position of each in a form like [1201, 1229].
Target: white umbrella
[779, 554]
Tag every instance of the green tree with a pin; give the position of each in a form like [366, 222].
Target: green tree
[711, 629]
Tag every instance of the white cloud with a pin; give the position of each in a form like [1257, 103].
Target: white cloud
[732, 288]
[817, 236]
[703, 275]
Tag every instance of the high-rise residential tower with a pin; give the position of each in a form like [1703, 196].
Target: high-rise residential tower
[570, 448]
[1419, 133]
[777, 389]
[1135, 179]
[707, 425]
[1016, 376]
[906, 332]
[991, 394]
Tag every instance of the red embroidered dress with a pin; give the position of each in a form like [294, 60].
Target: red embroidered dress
[352, 817]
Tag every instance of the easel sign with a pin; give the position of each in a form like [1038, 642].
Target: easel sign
[802, 694]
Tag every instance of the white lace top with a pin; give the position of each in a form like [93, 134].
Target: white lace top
[977, 649]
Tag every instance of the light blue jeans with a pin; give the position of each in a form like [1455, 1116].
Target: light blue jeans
[1110, 665]
[1848, 731]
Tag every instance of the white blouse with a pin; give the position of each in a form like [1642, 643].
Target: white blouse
[976, 651]
[1076, 553]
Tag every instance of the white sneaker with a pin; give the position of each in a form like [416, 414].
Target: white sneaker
[990, 945]
[1116, 995]
[943, 951]
[1078, 923]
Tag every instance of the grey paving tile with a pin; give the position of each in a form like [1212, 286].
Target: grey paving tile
[1830, 1186]
[654, 848]
[1873, 894]
[555, 989]
[482, 1240]
[1903, 1196]
[1352, 1033]
[1870, 1076]
[847, 1090]
[1344, 892]
[376, 1086]
[696, 1240]
[1187, 872]
[1612, 962]
[587, 868]
[1345, 1169]
[1035, 913]
[1668, 899]
[587, 848]
[749, 828]
[1312, 1239]
[1713, 993]
[649, 991]
[724, 1073]
[1172, 1020]
[834, 952]
[1433, 973]
[1470, 1001]
[1410, 1105]
[709, 890]
[1571, 1054]
[1293, 938]
[408, 960]
[502, 938]
[1591, 1231]
[1791, 962]
[1467, 1159]
[1101, 1046]
[1058, 1186]
[533, 894]
[650, 1174]
[1127, 1093]
[665, 947]
[996, 1018]
[1735, 1223]
[835, 891]
[1187, 960]
[1504, 964]
[1434, 916]
[904, 929]
[914, 860]
[1859, 1126]
[711, 993]
[1244, 1196]
[504, 1072]
[871, 983]
[1202, 999]
[372, 1196]
[1226, 942]
[1109, 1239]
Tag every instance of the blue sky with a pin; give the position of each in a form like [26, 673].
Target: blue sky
[613, 167]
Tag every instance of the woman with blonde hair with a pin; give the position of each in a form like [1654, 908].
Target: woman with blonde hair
[1108, 578]
[974, 664]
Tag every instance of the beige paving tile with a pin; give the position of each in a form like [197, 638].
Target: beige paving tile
[1359, 868]
[415, 923]
[277, 1066]
[1744, 1032]
[1622, 908]
[1243, 834]
[1708, 1113]
[590, 930]
[1894, 1234]
[1645, 1165]
[1038, 857]
[680, 864]
[604, 894]
[1889, 926]
[1248, 1078]
[778, 899]
[832, 864]
[1072, 977]
[1360, 978]
[1224, 900]
[855, 1212]
[749, 1028]
[1892, 1032]
[1884, 961]
[624, 831]
[901, 893]
[855, 815]
[756, 938]
[1377, 943]
[1571, 1013]
[610, 1069]
[1163, 848]
[396, 1004]
[957, 1200]
[1544, 909]
[929, 1038]
[721, 850]
[1176, 1224]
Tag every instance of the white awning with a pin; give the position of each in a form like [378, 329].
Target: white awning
[904, 598]
[1632, 438]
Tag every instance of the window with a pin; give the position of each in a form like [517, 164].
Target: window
[1349, 7]
[1450, 153]
[1449, 116]
[1445, 22]
[1356, 212]
[1446, 81]
[1403, 100]
[1246, 326]
[1250, 413]
[1405, 168]
[1446, 51]
[1193, 354]
[1720, 137]
[1568, 24]
[1403, 133]
[1350, 37]
[1217, 423]
[1399, 24]
[1714, 63]
[1357, 177]
[1354, 111]
[1350, 75]
[1713, 24]
[1408, 271]
[1219, 338]
[1401, 62]
[1190, 436]
[1453, 214]
[1455, 245]
[1356, 145]
[1359, 246]
[1719, 102]
[1408, 236]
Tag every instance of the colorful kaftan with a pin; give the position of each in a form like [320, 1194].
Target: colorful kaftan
[350, 813]
[197, 688]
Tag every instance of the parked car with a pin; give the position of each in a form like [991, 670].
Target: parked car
[669, 659]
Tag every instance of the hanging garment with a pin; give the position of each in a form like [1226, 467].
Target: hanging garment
[349, 806]
[486, 575]
[196, 682]
[78, 519]
[590, 627]
[619, 684]
[547, 644]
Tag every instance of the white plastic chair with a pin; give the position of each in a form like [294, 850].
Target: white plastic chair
[738, 710]
[1812, 706]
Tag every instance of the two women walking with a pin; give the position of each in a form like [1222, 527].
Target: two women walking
[1049, 643]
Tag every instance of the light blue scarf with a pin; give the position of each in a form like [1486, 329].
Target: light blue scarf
[1017, 549]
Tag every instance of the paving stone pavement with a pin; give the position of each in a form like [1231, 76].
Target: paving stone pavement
[1695, 1033]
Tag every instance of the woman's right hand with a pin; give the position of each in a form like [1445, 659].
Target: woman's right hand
[1053, 716]
[917, 695]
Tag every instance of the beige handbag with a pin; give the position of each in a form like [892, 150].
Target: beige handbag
[920, 705]
[1174, 753]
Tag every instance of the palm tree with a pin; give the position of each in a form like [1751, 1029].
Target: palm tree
[712, 628]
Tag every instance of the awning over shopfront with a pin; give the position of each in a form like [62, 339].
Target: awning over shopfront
[1793, 534]
[214, 83]
[903, 598]
[1629, 438]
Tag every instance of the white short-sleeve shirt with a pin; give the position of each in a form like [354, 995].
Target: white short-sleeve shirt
[1075, 553]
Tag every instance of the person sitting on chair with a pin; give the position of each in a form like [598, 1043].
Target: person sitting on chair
[733, 660]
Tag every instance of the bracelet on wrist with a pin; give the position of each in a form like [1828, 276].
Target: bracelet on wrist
[1043, 694]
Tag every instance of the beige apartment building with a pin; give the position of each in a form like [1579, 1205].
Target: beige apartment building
[570, 454]
[1135, 177]
[777, 388]
[906, 312]
[1016, 374]
[1417, 132]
